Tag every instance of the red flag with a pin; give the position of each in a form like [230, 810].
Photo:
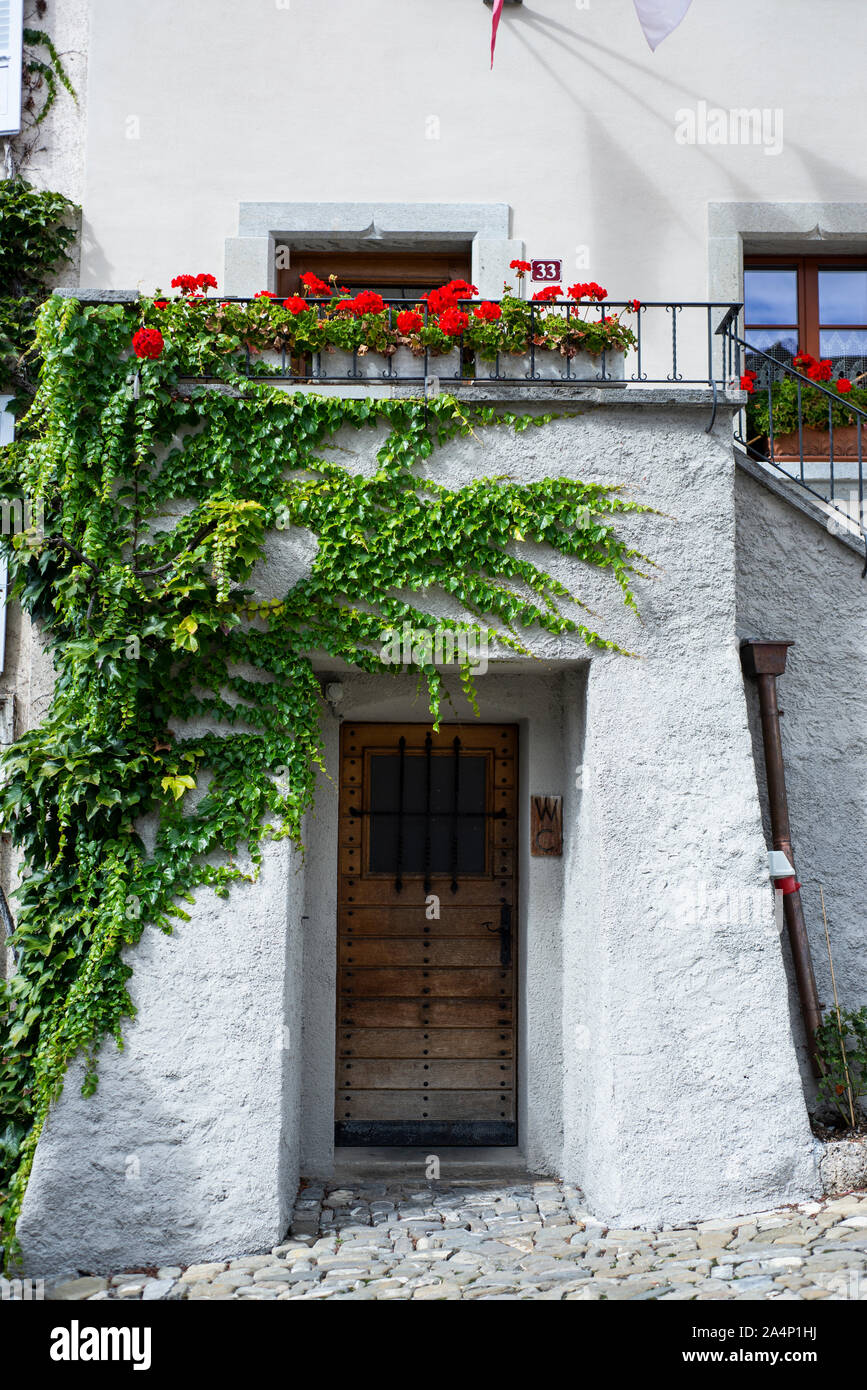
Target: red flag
[495, 24]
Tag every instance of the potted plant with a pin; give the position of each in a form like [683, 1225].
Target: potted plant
[802, 416]
[358, 334]
[548, 338]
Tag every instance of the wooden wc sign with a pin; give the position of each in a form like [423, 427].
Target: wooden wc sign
[546, 826]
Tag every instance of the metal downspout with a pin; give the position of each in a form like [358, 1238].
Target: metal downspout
[763, 662]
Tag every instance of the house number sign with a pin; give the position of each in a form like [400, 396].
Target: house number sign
[552, 271]
[546, 826]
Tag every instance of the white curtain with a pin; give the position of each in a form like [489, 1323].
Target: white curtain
[659, 17]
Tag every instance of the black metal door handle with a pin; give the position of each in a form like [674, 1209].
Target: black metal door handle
[505, 930]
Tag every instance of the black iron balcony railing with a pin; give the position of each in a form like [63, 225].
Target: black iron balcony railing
[677, 342]
[803, 428]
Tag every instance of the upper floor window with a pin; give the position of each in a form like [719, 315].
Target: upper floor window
[815, 304]
[394, 274]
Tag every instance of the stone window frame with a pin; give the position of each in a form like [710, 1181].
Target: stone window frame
[250, 262]
[739, 229]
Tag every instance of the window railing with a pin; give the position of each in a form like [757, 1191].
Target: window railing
[804, 428]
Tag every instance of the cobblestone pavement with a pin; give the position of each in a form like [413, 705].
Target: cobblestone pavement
[527, 1239]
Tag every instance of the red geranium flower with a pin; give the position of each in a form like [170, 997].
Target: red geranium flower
[440, 299]
[803, 359]
[295, 304]
[550, 292]
[264, 294]
[409, 321]
[461, 289]
[488, 313]
[636, 304]
[313, 285]
[206, 281]
[453, 321]
[345, 306]
[148, 342]
[748, 382]
[161, 304]
[590, 290]
[521, 266]
[844, 385]
[368, 302]
[185, 283]
[820, 371]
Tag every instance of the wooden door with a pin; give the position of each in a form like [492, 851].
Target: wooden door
[427, 935]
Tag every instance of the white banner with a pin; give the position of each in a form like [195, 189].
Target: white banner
[659, 17]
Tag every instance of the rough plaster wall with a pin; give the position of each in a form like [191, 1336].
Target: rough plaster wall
[799, 582]
[182, 1152]
[28, 681]
[685, 1099]
[582, 1061]
[668, 1115]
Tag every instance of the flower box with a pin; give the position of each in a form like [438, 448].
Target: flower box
[271, 358]
[374, 366]
[547, 364]
[817, 444]
[335, 362]
[406, 363]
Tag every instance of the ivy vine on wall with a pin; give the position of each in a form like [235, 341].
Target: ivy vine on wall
[35, 237]
[152, 621]
[37, 225]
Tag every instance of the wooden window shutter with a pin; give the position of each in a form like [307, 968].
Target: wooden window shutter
[11, 24]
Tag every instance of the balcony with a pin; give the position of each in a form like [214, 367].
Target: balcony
[799, 428]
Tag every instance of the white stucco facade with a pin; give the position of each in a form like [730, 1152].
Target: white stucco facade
[662, 1063]
[651, 963]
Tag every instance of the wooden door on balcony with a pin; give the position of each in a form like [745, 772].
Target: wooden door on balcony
[427, 935]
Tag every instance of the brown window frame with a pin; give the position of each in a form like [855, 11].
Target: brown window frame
[365, 269]
[808, 267]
